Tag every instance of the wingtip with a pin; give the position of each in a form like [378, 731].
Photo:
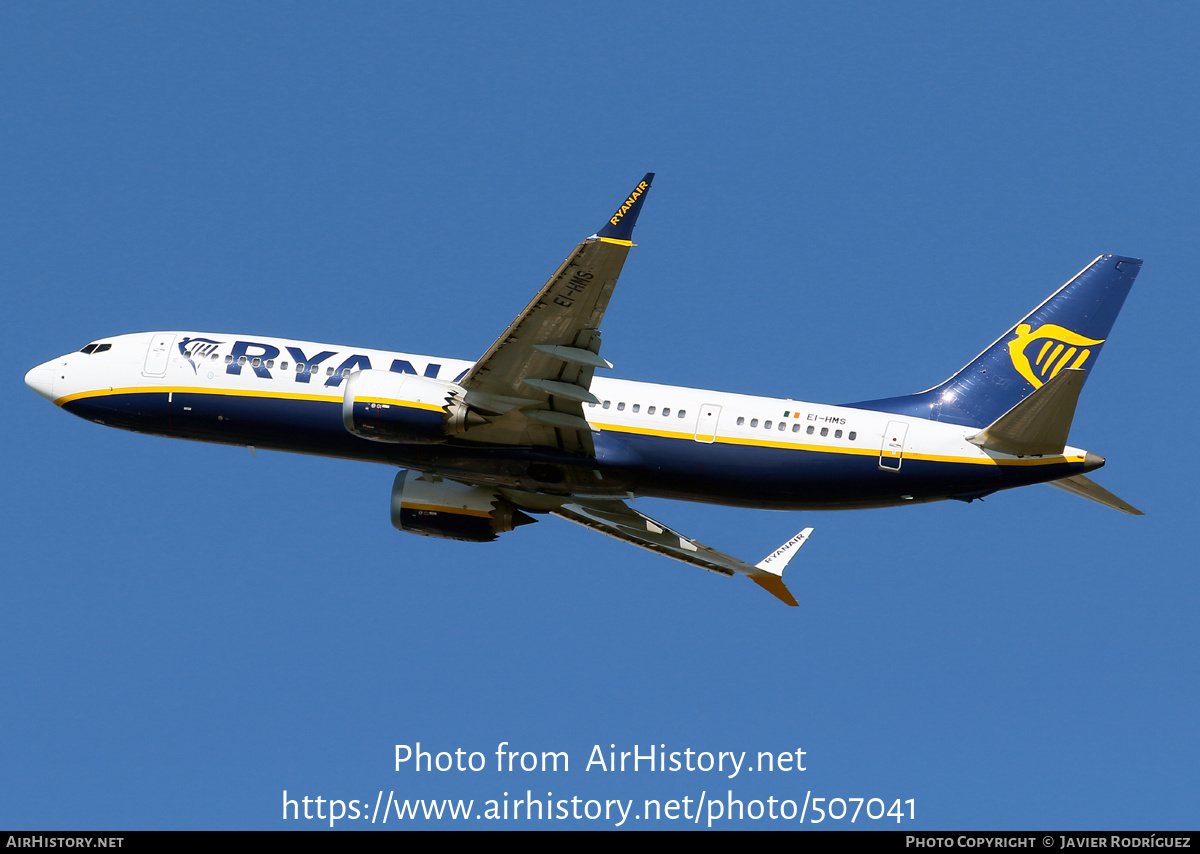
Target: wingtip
[768, 573]
[620, 225]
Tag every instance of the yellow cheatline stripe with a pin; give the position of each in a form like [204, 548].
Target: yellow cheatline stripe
[234, 392]
[797, 446]
[437, 508]
[618, 242]
[229, 392]
[616, 428]
[988, 461]
[623, 428]
[861, 452]
[410, 404]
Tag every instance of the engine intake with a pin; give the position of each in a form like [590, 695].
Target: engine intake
[451, 511]
[388, 407]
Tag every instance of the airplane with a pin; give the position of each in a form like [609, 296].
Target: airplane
[530, 428]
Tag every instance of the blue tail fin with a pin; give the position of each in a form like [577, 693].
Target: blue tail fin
[1068, 330]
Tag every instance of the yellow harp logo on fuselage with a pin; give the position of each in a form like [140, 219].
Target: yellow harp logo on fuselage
[1061, 348]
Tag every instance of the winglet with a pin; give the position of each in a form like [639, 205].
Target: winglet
[770, 574]
[619, 228]
[776, 588]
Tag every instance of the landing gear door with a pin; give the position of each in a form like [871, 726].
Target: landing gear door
[158, 354]
[706, 424]
[892, 452]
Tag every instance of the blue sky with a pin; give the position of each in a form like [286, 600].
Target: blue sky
[851, 202]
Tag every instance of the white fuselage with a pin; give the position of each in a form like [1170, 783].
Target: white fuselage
[657, 439]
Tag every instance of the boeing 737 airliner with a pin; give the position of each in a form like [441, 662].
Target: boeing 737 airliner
[528, 428]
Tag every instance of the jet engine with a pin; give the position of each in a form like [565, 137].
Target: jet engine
[434, 507]
[388, 407]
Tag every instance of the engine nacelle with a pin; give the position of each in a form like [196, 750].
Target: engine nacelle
[452, 511]
[389, 407]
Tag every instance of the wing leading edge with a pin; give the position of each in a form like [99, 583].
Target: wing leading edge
[531, 384]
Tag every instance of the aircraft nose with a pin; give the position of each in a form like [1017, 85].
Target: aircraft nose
[41, 379]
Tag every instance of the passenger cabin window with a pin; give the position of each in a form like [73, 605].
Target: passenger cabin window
[606, 404]
[649, 410]
[810, 429]
[753, 422]
[824, 431]
[767, 425]
[666, 411]
[621, 407]
[229, 359]
[853, 436]
[782, 425]
[837, 434]
[795, 428]
[682, 413]
[256, 362]
[637, 407]
[741, 420]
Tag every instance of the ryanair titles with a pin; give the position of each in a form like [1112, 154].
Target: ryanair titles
[629, 203]
[261, 358]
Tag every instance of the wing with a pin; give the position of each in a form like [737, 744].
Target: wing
[532, 383]
[618, 519]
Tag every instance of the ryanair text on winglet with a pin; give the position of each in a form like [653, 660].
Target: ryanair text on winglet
[785, 548]
[633, 197]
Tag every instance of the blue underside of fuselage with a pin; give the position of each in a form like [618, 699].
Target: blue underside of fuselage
[645, 465]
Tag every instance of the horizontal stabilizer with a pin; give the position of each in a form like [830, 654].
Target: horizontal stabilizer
[1089, 489]
[1039, 424]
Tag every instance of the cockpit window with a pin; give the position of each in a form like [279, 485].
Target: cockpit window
[88, 349]
[96, 348]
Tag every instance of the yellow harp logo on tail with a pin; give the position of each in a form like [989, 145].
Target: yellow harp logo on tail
[1060, 348]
